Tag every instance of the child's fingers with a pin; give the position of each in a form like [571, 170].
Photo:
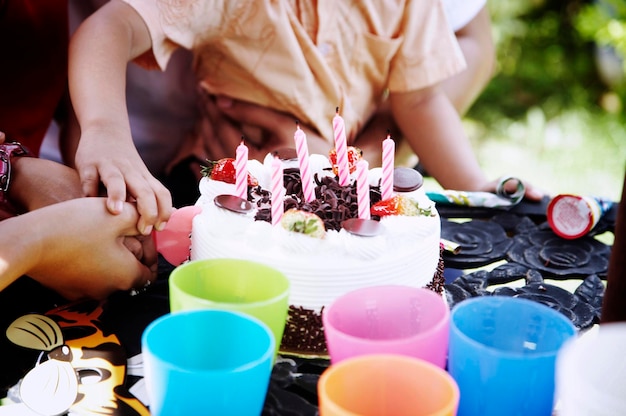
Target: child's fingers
[154, 203]
[115, 185]
[90, 181]
[164, 204]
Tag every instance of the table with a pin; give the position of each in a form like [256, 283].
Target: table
[510, 252]
[515, 253]
[501, 253]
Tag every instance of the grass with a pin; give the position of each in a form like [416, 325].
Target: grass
[575, 152]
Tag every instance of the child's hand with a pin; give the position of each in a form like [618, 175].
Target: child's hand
[532, 193]
[105, 157]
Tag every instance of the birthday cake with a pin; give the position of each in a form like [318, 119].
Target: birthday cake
[320, 245]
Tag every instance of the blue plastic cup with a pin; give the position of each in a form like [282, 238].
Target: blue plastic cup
[502, 355]
[207, 362]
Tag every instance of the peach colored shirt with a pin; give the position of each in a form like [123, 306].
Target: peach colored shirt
[308, 57]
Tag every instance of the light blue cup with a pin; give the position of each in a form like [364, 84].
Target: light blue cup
[502, 354]
[207, 362]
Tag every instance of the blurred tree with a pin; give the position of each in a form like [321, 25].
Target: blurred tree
[546, 57]
[604, 23]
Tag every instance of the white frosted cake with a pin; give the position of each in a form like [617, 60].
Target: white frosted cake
[397, 249]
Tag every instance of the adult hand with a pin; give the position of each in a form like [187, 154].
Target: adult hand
[103, 157]
[80, 250]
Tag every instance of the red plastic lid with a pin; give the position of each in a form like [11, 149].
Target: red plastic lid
[570, 216]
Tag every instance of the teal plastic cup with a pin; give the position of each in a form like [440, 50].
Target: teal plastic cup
[502, 355]
[207, 362]
[231, 284]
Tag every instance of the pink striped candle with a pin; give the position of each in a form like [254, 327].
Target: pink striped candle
[303, 160]
[341, 147]
[241, 171]
[278, 191]
[386, 185]
[363, 189]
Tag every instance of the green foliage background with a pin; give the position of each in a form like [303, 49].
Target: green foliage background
[552, 114]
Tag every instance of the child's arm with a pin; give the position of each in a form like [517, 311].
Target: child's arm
[434, 131]
[476, 43]
[99, 53]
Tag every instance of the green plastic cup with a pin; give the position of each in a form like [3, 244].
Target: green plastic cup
[235, 285]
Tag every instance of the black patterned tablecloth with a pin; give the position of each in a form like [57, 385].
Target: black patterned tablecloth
[510, 253]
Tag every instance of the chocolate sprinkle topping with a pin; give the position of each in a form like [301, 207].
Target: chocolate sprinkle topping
[304, 332]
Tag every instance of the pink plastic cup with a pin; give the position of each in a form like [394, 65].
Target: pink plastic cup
[388, 320]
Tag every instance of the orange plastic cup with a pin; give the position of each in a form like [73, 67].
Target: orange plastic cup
[386, 384]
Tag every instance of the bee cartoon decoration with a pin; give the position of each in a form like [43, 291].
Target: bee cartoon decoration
[81, 368]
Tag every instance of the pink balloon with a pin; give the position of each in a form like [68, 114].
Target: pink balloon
[173, 241]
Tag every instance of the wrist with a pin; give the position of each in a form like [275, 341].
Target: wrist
[19, 249]
[110, 127]
[37, 182]
[9, 151]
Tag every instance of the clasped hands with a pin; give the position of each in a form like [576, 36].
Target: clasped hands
[72, 244]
